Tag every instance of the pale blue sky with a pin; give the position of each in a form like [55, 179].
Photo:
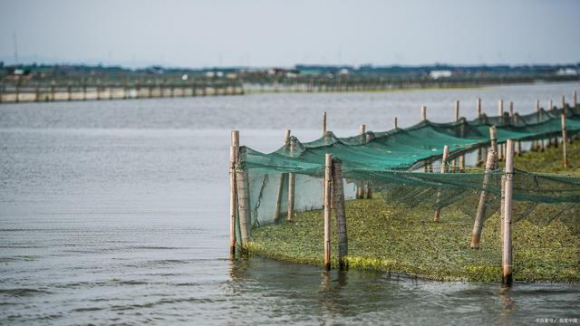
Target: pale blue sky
[267, 33]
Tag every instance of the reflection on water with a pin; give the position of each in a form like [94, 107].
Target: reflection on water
[294, 293]
[116, 212]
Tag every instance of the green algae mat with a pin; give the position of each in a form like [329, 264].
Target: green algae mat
[397, 239]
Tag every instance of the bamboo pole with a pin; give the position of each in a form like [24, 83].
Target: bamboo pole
[340, 212]
[291, 186]
[423, 113]
[327, 203]
[233, 195]
[507, 239]
[443, 170]
[482, 205]
[564, 141]
[283, 177]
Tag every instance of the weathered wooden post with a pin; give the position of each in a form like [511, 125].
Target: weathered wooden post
[339, 208]
[423, 113]
[564, 141]
[328, 179]
[234, 148]
[443, 170]
[291, 185]
[575, 101]
[478, 115]
[244, 209]
[564, 109]
[324, 123]
[283, 177]
[360, 192]
[482, 205]
[457, 110]
[550, 105]
[507, 237]
[502, 122]
[396, 123]
[493, 138]
[500, 110]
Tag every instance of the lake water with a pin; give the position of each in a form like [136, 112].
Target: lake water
[116, 212]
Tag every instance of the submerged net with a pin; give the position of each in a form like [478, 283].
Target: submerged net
[388, 166]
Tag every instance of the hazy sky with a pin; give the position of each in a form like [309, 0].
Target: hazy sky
[266, 33]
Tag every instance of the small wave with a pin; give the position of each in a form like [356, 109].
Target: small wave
[22, 292]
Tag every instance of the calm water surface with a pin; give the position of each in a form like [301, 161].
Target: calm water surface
[117, 213]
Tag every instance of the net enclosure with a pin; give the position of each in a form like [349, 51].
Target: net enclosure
[427, 172]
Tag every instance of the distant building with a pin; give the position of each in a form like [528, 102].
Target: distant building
[567, 72]
[435, 74]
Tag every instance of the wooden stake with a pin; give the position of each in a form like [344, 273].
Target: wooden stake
[502, 206]
[564, 141]
[478, 115]
[361, 132]
[423, 113]
[283, 177]
[493, 138]
[244, 209]
[324, 123]
[233, 202]
[482, 205]
[575, 100]
[291, 186]
[340, 211]
[550, 105]
[443, 170]
[327, 203]
[500, 111]
[396, 123]
[564, 103]
[360, 193]
[507, 239]
[457, 110]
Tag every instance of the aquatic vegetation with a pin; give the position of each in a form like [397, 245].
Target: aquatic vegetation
[397, 239]
[401, 239]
